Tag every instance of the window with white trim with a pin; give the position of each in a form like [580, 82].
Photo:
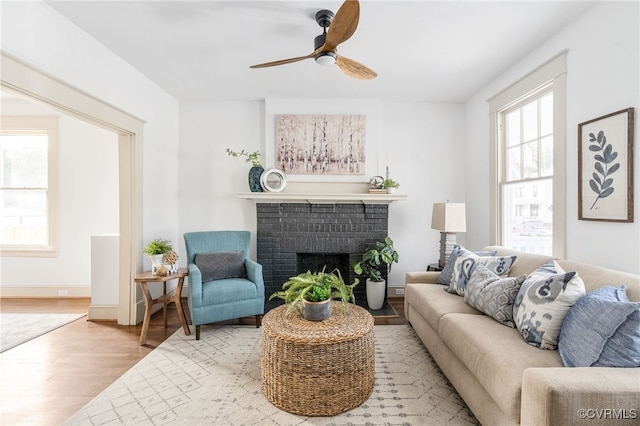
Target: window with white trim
[527, 175]
[28, 185]
[528, 161]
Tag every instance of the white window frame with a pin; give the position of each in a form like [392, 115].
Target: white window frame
[551, 73]
[48, 124]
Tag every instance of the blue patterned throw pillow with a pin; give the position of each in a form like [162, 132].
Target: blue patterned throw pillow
[447, 271]
[467, 262]
[492, 295]
[602, 330]
[543, 302]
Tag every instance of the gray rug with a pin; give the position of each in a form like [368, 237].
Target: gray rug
[16, 329]
[216, 381]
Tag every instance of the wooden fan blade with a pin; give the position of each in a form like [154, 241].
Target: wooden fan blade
[343, 26]
[283, 61]
[355, 69]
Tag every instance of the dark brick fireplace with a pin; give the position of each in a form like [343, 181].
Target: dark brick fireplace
[295, 237]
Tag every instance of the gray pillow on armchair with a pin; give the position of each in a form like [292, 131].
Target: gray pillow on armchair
[220, 265]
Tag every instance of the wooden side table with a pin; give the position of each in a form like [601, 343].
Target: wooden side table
[147, 277]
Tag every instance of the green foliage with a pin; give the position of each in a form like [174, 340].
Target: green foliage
[382, 253]
[157, 246]
[316, 287]
[390, 183]
[253, 157]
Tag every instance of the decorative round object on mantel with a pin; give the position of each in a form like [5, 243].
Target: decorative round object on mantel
[273, 180]
[255, 173]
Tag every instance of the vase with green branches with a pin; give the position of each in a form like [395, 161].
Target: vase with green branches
[256, 167]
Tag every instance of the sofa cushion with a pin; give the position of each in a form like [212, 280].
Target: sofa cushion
[601, 330]
[447, 271]
[431, 302]
[493, 295]
[496, 356]
[468, 261]
[221, 265]
[543, 302]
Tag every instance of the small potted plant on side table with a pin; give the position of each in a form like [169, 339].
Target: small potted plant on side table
[312, 292]
[156, 250]
[381, 254]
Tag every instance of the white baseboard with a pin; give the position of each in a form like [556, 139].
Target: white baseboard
[46, 292]
[103, 312]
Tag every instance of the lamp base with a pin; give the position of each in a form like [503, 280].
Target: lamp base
[447, 242]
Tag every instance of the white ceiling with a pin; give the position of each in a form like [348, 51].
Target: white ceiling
[440, 51]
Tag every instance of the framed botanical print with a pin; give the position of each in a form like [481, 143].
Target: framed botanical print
[605, 168]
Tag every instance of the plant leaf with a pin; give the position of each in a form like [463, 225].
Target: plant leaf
[613, 169]
[599, 168]
[606, 192]
[592, 137]
[595, 148]
[594, 186]
[611, 157]
[599, 158]
[607, 183]
[601, 137]
[596, 177]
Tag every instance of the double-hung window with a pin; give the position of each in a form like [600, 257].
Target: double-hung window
[526, 183]
[28, 185]
[528, 161]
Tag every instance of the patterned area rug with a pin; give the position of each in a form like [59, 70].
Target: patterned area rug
[216, 381]
[16, 329]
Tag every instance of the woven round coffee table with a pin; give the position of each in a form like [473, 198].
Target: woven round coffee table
[318, 368]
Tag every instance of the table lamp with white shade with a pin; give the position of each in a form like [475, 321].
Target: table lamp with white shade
[448, 218]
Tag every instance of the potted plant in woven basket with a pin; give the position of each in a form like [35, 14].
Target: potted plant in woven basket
[312, 292]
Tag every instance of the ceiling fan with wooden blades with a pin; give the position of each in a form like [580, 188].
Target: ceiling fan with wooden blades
[340, 28]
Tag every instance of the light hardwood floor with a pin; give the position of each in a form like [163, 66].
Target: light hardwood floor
[46, 380]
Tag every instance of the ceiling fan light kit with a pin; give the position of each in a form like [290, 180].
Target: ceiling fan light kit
[341, 27]
[326, 58]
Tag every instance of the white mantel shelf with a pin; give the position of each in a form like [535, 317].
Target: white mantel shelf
[284, 197]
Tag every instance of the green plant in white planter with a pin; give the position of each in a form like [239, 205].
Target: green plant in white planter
[381, 255]
[156, 249]
[312, 292]
[390, 185]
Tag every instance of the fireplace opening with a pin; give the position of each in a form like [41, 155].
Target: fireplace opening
[316, 262]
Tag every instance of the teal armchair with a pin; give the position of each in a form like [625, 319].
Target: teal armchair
[224, 283]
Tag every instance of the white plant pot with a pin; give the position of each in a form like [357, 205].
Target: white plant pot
[375, 294]
[156, 262]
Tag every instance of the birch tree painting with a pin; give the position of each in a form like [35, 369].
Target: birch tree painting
[320, 144]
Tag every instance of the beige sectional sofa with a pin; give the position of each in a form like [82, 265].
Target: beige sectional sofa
[505, 381]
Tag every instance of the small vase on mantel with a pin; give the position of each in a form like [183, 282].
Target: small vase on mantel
[254, 178]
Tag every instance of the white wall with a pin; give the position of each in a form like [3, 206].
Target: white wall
[603, 69]
[88, 204]
[38, 35]
[418, 141]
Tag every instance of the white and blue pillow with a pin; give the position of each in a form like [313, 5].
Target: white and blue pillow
[543, 301]
[602, 330]
[492, 295]
[447, 271]
[467, 262]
